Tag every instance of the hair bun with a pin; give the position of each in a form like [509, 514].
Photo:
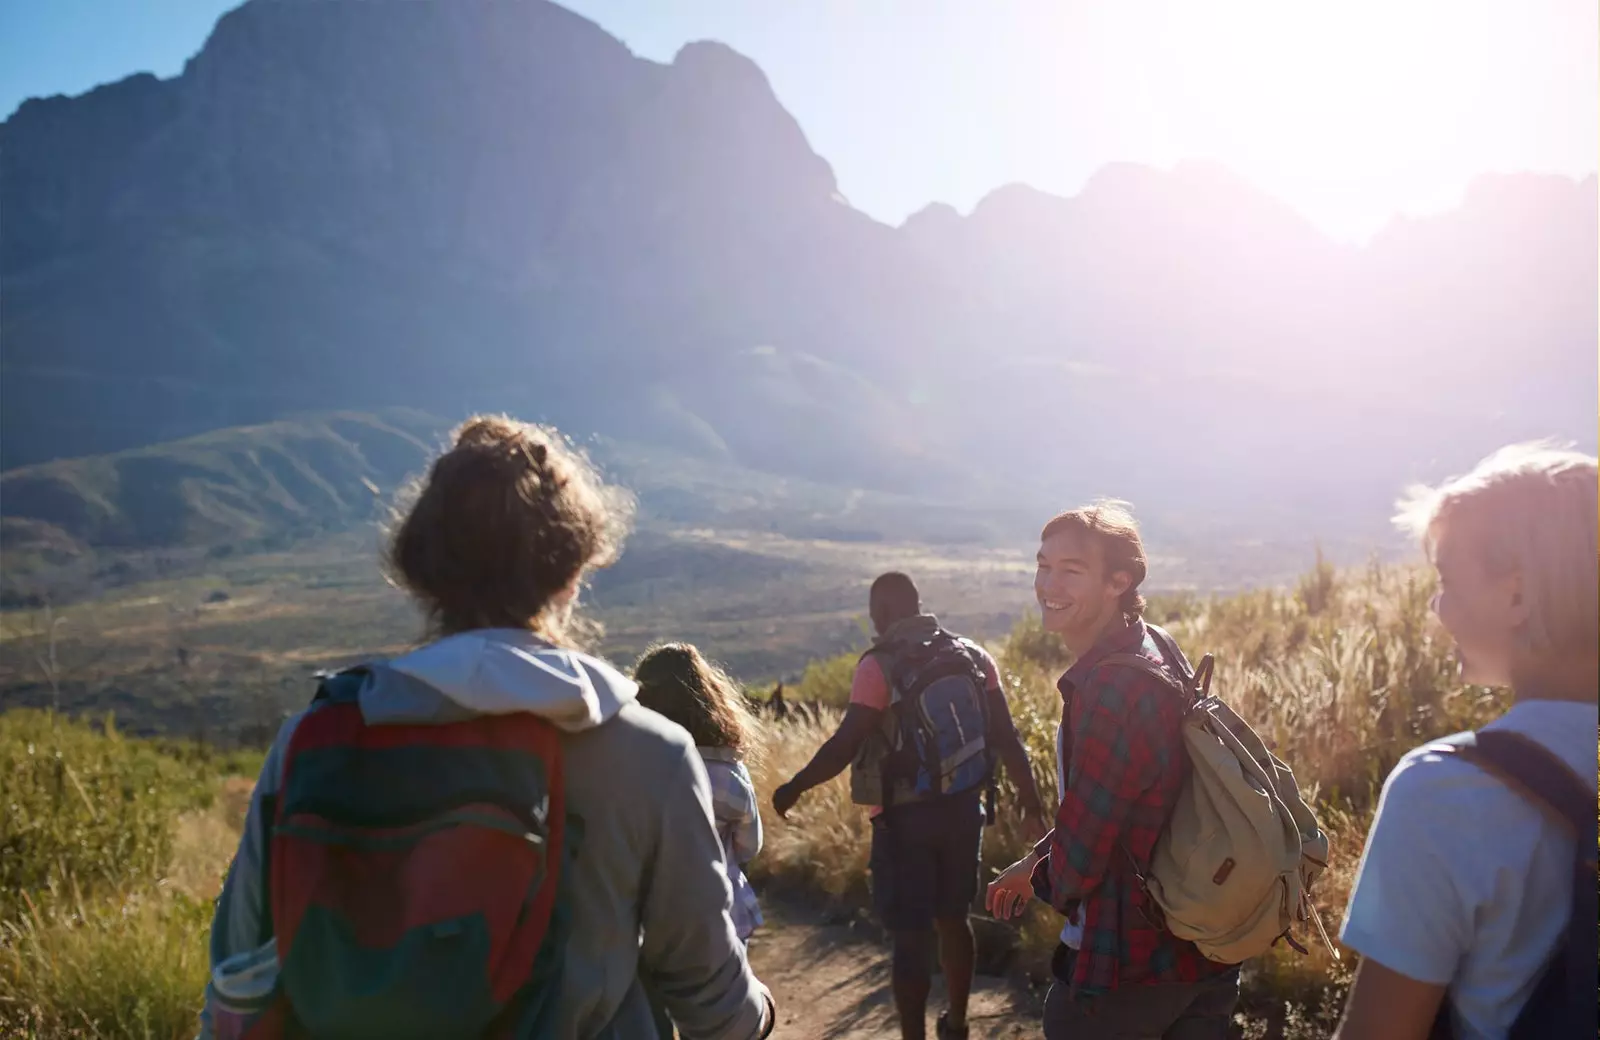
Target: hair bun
[487, 431]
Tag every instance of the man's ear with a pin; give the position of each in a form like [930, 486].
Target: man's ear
[1120, 582]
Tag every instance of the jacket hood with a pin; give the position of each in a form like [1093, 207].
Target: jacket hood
[495, 672]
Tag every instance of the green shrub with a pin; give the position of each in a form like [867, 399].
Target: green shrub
[827, 681]
[86, 806]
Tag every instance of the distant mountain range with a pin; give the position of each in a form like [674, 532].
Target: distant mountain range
[479, 204]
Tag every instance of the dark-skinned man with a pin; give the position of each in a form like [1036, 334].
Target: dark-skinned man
[926, 722]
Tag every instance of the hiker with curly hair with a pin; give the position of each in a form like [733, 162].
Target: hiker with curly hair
[488, 835]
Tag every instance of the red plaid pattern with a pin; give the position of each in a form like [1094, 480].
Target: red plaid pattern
[1125, 763]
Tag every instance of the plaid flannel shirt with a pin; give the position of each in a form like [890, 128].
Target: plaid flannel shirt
[1123, 754]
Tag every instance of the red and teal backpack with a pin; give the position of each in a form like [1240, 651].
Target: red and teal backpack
[415, 876]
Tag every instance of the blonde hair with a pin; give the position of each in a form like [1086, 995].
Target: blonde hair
[1533, 509]
[1110, 522]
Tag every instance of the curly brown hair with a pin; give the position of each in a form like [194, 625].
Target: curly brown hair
[676, 681]
[506, 520]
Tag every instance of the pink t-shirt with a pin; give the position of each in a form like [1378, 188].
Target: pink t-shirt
[870, 688]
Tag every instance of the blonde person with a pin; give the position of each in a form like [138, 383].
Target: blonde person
[501, 533]
[1467, 883]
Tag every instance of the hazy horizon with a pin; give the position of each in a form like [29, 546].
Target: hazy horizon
[1351, 117]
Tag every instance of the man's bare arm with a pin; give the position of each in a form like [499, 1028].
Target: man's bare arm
[832, 758]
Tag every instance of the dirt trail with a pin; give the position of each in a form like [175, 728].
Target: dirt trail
[832, 981]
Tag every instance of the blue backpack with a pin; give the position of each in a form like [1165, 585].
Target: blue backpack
[937, 724]
[1564, 1000]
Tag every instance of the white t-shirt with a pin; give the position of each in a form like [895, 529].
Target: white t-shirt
[1465, 884]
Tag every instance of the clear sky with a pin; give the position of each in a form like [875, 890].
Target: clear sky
[1350, 110]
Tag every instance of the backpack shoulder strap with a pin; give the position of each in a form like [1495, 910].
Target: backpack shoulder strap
[1534, 772]
[1179, 684]
[1171, 652]
[1143, 664]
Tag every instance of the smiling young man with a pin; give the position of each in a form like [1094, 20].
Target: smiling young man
[1465, 887]
[1121, 765]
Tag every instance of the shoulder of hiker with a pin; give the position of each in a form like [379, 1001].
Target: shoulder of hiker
[869, 686]
[649, 746]
[1108, 686]
[1437, 802]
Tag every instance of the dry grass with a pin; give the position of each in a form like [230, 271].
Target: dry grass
[129, 965]
[824, 842]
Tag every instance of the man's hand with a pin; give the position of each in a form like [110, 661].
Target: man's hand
[784, 798]
[1009, 893]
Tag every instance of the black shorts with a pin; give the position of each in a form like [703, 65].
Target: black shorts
[925, 861]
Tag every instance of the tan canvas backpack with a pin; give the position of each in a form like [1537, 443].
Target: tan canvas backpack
[1233, 868]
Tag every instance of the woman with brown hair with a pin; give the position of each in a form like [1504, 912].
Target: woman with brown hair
[677, 682]
[493, 548]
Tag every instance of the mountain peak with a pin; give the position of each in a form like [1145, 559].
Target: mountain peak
[713, 58]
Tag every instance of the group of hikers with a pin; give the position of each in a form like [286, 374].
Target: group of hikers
[498, 834]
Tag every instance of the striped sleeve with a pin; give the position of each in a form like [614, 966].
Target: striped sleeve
[733, 800]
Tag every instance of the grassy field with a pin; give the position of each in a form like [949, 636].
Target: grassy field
[111, 846]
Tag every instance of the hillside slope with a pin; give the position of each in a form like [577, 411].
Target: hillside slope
[277, 480]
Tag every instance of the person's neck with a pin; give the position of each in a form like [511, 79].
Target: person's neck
[1081, 644]
[1576, 680]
